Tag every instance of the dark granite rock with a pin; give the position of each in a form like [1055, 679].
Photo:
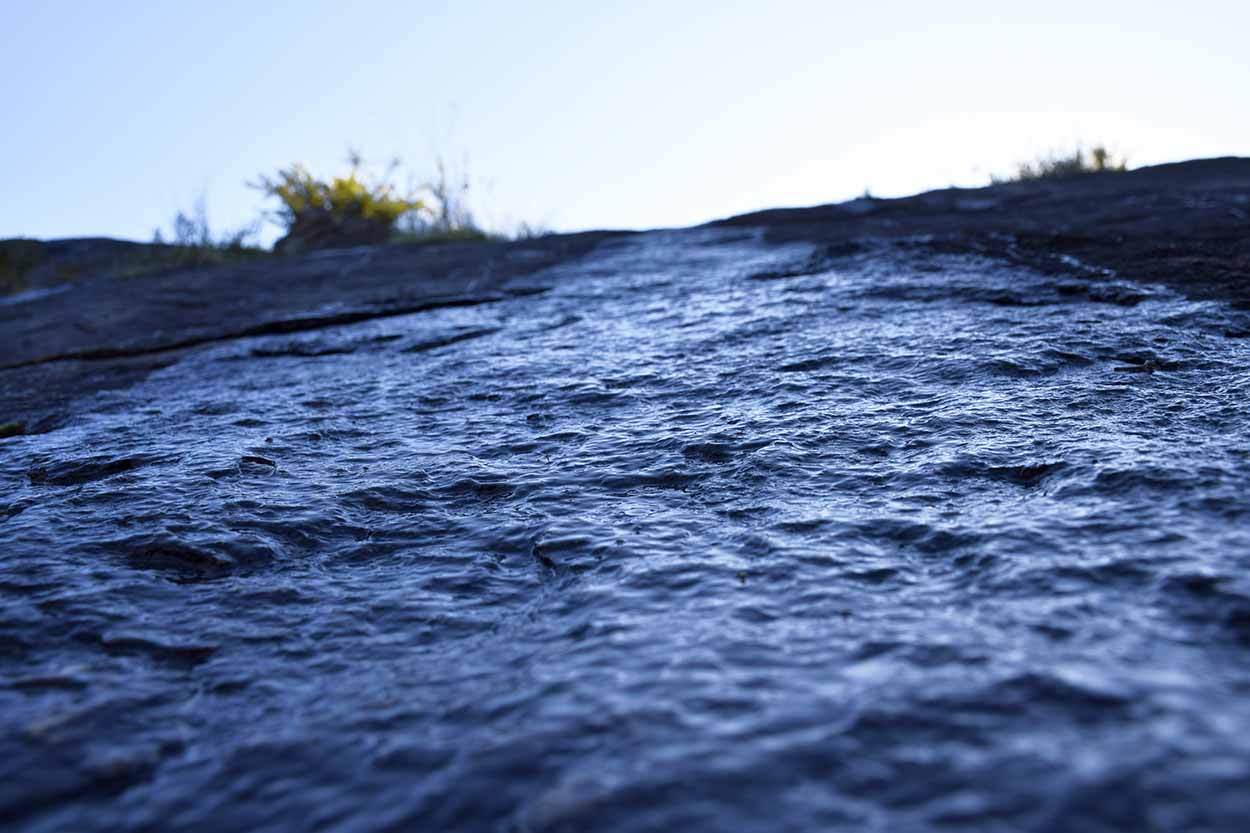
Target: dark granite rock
[1186, 224]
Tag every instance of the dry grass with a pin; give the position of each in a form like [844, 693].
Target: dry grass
[1064, 164]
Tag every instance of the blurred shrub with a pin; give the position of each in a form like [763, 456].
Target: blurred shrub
[344, 211]
[1059, 165]
[447, 217]
[526, 230]
[192, 243]
[191, 231]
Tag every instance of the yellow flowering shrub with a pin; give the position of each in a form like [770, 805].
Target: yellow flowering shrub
[344, 202]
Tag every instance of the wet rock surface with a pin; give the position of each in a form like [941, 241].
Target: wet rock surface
[63, 342]
[699, 530]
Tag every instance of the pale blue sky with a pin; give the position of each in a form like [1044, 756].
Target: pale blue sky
[590, 114]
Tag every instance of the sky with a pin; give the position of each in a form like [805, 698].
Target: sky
[577, 115]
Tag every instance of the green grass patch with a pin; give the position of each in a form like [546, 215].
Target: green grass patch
[169, 257]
